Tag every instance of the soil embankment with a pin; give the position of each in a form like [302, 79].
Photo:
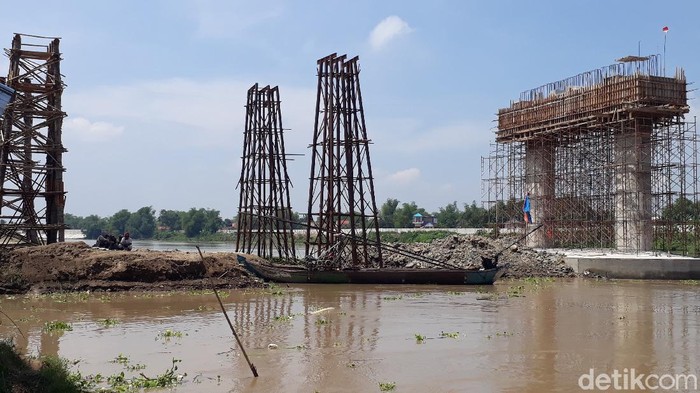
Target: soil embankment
[75, 266]
[466, 251]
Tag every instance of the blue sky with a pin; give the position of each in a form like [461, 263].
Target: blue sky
[156, 89]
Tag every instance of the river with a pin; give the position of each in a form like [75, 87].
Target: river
[515, 336]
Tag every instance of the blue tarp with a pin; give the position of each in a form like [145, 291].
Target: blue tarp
[6, 94]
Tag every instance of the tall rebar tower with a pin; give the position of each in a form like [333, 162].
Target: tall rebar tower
[608, 157]
[31, 160]
[264, 211]
[342, 217]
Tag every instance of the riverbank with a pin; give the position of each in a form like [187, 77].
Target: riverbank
[75, 266]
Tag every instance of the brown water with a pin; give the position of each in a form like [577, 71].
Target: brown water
[512, 337]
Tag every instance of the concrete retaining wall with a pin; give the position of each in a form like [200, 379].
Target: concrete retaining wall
[663, 268]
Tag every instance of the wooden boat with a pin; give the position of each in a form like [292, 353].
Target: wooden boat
[300, 274]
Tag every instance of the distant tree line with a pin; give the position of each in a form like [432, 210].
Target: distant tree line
[199, 223]
[143, 224]
[391, 215]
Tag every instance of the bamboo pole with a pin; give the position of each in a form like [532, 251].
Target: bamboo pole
[238, 340]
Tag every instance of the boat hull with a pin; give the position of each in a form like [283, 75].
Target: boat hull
[299, 274]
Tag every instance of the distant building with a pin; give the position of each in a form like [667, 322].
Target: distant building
[424, 221]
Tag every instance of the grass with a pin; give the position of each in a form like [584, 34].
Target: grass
[51, 375]
[387, 386]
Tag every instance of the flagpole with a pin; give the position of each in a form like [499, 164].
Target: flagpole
[665, 30]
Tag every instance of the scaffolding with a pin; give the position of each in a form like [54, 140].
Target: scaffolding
[342, 216]
[31, 160]
[264, 211]
[608, 157]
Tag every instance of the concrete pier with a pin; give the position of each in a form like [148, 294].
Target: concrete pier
[539, 182]
[651, 266]
[632, 152]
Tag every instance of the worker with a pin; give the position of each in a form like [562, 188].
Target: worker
[125, 242]
[526, 209]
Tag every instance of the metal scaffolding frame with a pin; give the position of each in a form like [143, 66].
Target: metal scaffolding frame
[31, 160]
[264, 210]
[610, 157]
[342, 216]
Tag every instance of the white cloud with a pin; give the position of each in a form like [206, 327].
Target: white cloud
[85, 130]
[405, 177]
[387, 30]
[462, 136]
[186, 112]
[216, 19]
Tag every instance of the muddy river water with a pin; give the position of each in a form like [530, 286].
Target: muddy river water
[515, 336]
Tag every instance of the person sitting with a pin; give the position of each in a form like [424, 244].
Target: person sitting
[125, 242]
[105, 240]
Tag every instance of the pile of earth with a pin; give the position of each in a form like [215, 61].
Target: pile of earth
[466, 251]
[75, 266]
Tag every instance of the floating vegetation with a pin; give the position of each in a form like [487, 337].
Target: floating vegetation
[69, 297]
[419, 338]
[449, 334]
[387, 386]
[323, 321]
[457, 293]
[57, 326]
[120, 359]
[203, 292]
[397, 297]
[504, 334]
[274, 290]
[516, 291]
[167, 334]
[108, 322]
[120, 383]
[283, 318]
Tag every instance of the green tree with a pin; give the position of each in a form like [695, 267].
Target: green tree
[212, 221]
[682, 210]
[73, 222]
[449, 216]
[142, 223]
[193, 222]
[403, 216]
[171, 219]
[118, 221]
[93, 225]
[474, 216]
[387, 211]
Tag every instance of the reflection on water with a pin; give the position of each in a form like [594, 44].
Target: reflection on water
[491, 339]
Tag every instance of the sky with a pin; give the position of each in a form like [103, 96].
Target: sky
[156, 89]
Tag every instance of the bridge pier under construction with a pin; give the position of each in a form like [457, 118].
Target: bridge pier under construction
[607, 156]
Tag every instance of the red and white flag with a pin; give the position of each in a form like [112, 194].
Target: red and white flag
[665, 29]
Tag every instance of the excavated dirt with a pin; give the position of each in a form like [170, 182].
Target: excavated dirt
[466, 251]
[75, 266]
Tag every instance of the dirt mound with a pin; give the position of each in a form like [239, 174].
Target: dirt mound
[466, 251]
[77, 266]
